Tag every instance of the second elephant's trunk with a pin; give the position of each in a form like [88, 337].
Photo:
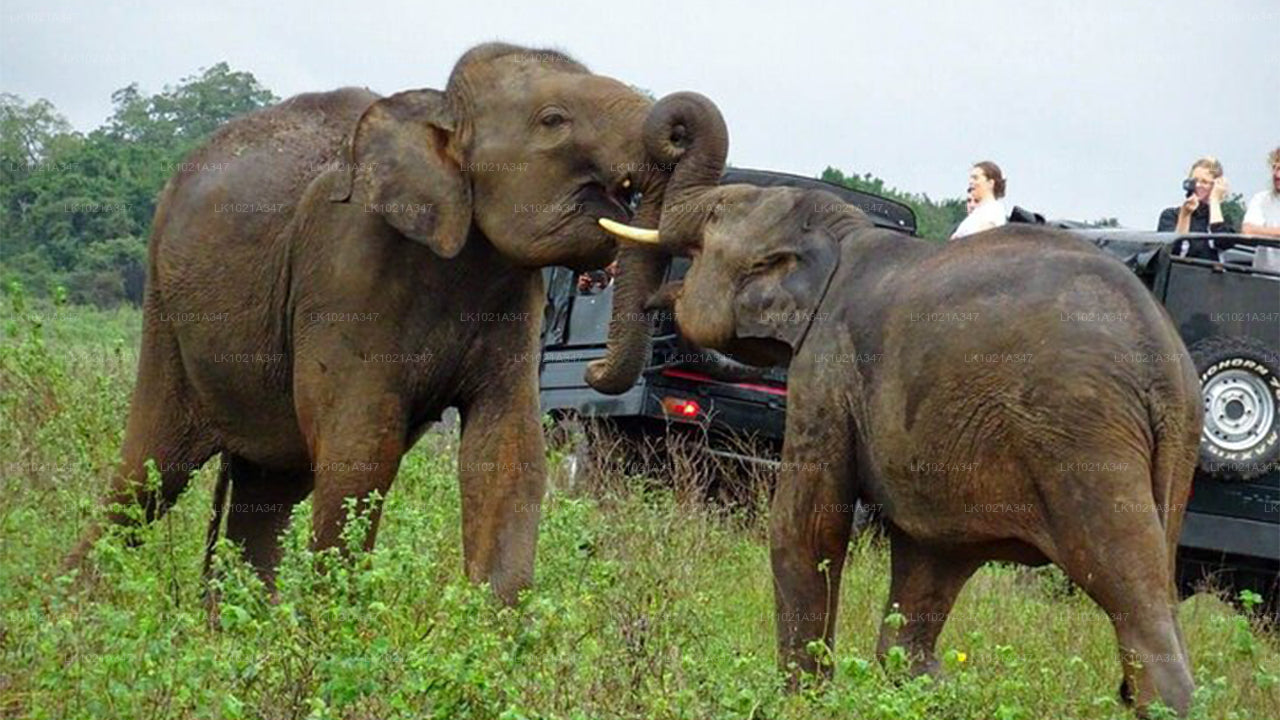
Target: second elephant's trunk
[684, 130]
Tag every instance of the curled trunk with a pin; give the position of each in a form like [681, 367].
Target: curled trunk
[684, 130]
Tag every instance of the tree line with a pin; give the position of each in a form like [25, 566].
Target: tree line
[76, 208]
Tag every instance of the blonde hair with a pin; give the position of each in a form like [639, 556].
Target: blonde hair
[1274, 158]
[1209, 163]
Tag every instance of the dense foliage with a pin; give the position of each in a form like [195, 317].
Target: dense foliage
[935, 219]
[75, 209]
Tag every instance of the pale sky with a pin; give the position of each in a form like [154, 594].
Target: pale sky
[1093, 108]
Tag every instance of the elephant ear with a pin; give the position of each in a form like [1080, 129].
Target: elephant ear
[402, 166]
[783, 307]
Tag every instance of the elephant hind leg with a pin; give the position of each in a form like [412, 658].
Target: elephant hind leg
[925, 583]
[131, 489]
[162, 428]
[1122, 564]
[262, 501]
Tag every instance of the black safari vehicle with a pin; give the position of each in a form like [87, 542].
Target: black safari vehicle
[1227, 311]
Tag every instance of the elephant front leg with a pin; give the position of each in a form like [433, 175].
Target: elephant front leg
[356, 448]
[502, 469]
[810, 523]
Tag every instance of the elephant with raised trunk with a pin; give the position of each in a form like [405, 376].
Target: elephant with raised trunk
[340, 268]
[1018, 396]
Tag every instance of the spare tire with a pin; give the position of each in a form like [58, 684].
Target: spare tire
[1240, 384]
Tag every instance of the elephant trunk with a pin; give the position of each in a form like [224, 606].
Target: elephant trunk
[687, 129]
[684, 130]
[640, 270]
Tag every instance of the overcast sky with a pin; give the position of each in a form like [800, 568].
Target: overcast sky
[1093, 108]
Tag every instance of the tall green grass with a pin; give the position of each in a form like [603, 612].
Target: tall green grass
[646, 604]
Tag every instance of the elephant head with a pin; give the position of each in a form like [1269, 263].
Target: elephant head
[762, 257]
[525, 147]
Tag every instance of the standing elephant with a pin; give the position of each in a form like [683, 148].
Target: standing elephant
[328, 275]
[1017, 396]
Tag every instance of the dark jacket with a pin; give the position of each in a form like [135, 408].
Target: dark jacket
[1199, 221]
[1203, 249]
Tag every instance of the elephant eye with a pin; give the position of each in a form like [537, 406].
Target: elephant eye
[552, 119]
[772, 261]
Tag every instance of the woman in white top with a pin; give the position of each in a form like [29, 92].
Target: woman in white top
[1263, 214]
[986, 187]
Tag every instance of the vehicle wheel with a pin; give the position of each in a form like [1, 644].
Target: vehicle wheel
[1240, 384]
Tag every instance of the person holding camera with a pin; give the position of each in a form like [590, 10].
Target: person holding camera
[1201, 211]
[596, 281]
[1262, 217]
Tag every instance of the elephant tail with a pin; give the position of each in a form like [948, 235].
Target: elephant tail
[1176, 420]
[1163, 480]
[219, 508]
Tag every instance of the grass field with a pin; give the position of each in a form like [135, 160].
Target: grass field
[646, 605]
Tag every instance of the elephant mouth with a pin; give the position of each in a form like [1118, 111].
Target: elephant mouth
[587, 204]
[618, 204]
[574, 237]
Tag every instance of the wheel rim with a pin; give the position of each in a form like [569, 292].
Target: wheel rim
[1238, 410]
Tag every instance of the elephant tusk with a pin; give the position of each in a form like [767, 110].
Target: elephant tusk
[626, 232]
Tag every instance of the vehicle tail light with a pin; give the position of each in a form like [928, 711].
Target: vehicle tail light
[681, 408]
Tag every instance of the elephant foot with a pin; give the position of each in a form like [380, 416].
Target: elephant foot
[927, 666]
[212, 603]
[800, 677]
[921, 661]
[82, 577]
[1126, 692]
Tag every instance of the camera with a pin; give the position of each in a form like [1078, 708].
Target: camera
[1189, 185]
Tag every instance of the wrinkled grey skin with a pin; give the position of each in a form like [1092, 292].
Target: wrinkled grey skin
[667, 133]
[341, 268]
[1016, 396]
